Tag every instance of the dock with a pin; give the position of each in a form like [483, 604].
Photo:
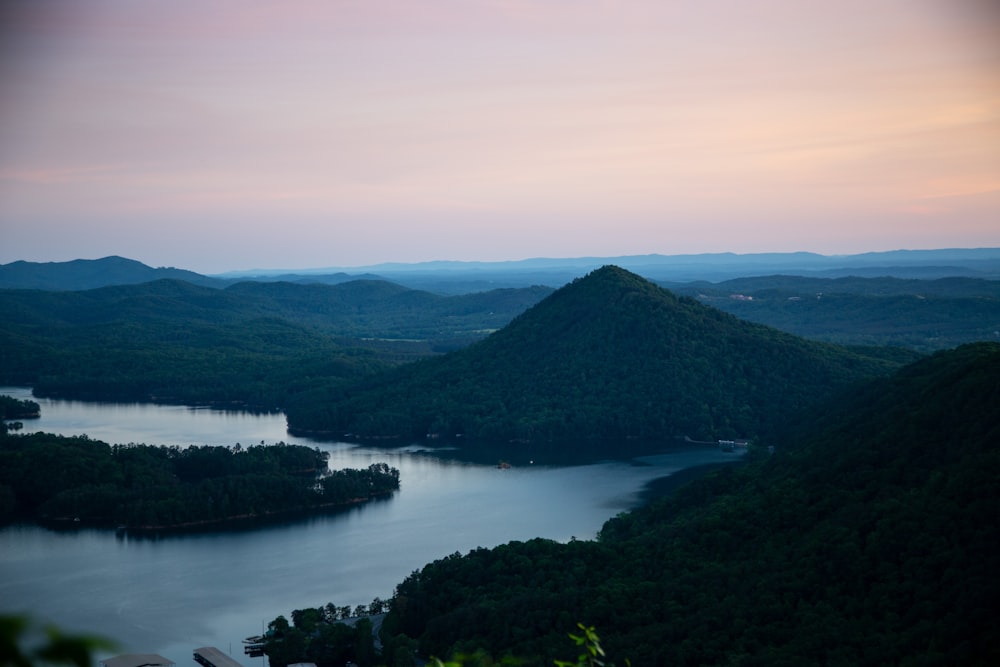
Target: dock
[138, 660]
[213, 657]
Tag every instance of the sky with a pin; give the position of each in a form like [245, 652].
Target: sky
[218, 135]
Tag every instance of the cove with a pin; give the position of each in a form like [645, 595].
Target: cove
[173, 593]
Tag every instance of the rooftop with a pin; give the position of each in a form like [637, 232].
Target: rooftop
[137, 660]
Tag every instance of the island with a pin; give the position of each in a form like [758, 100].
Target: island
[16, 408]
[58, 480]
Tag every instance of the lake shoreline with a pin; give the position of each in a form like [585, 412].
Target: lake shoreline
[661, 487]
[166, 592]
[226, 524]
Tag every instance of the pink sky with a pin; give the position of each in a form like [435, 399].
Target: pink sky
[229, 135]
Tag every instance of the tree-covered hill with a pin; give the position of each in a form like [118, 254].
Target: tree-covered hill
[167, 340]
[924, 315]
[868, 538]
[253, 343]
[955, 286]
[376, 308]
[81, 274]
[58, 479]
[360, 308]
[610, 355]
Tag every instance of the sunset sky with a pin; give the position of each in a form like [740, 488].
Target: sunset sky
[237, 134]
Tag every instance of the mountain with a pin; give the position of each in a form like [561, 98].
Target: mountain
[867, 538]
[923, 315]
[366, 308]
[450, 277]
[167, 341]
[81, 274]
[789, 285]
[250, 343]
[610, 355]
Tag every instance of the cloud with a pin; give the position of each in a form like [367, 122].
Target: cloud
[554, 120]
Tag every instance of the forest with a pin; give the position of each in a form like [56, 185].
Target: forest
[922, 315]
[867, 538]
[13, 408]
[252, 345]
[610, 356]
[58, 480]
[272, 345]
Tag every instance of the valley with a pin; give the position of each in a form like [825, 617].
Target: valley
[858, 530]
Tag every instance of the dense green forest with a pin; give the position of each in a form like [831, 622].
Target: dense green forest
[271, 345]
[867, 538]
[13, 408]
[53, 478]
[266, 344]
[254, 344]
[82, 274]
[923, 315]
[462, 277]
[609, 356]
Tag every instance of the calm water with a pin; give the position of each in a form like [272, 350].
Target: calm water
[172, 594]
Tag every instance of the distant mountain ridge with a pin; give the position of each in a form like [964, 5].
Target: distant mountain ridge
[924, 315]
[82, 274]
[454, 277]
[802, 260]
[610, 355]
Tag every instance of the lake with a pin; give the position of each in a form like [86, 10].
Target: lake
[171, 594]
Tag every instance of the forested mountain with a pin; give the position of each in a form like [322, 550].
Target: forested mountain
[924, 315]
[80, 274]
[177, 351]
[451, 277]
[610, 355]
[252, 343]
[369, 308]
[376, 308]
[867, 538]
[803, 286]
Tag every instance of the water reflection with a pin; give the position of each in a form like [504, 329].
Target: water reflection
[168, 593]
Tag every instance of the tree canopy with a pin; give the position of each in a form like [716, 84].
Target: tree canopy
[57, 479]
[867, 537]
[609, 356]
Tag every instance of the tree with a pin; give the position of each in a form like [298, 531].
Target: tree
[364, 643]
[17, 632]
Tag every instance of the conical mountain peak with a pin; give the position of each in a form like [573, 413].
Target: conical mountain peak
[610, 355]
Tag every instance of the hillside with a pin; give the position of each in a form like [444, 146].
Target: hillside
[610, 355]
[409, 301]
[923, 315]
[868, 538]
[364, 308]
[451, 277]
[251, 343]
[381, 309]
[81, 274]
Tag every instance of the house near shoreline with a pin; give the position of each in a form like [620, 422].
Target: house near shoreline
[733, 445]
